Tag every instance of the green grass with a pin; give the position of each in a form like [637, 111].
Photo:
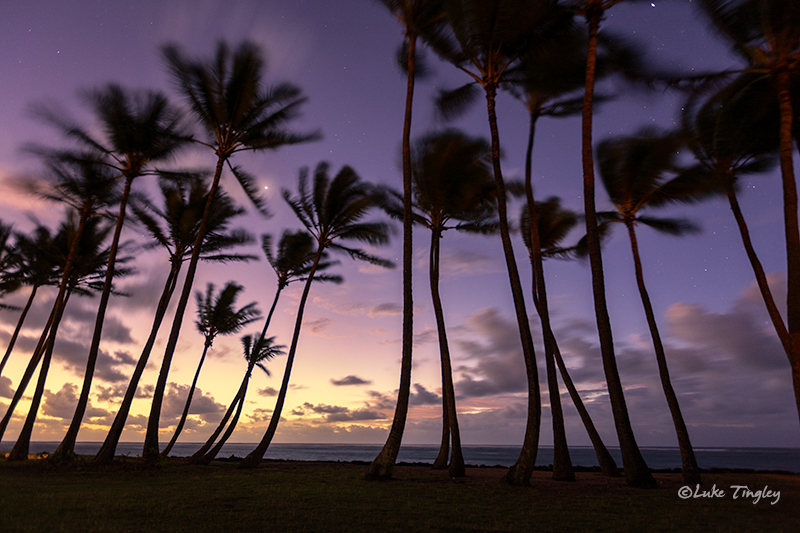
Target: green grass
[289, 496]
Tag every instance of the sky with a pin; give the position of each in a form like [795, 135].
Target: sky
[731, 376]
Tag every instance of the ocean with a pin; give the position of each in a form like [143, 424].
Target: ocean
[658, 458]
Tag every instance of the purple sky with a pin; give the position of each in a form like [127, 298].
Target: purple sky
[732, 378]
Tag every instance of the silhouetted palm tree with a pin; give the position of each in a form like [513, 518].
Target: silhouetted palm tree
[237, 113]
[554, 223]
[487, 39]
[635, 172]
[637, 473]
[331, 211]
[766, 35]
[256, 353]
[7, 261]
[180, 217]
[420, 18]
[215, 316]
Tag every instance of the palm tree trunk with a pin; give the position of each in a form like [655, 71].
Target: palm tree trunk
[67, 447]
[21, 448]
[29, 370]
[758, 270]
[691, 472]
[520, 473]
[109, 448]
[185, 413]
[637, 473]
[254, 458]
[199, 457]
[562, 464]
[18, 328]
[150, 452]
[239, 402]
[783, 84]
[440, 463]
[383, 465]
[456, 468]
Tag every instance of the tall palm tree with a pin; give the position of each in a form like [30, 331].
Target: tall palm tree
[256, 352]
[237, 113]
[419, 18]
[486, 39]
[766, 35]
[331, 211]
[635, 172]
[553, 225]
[637, 474]
[293, 261]
[139, 130]
[215, 316]
[87, 187]
[180, 218]
[88, 266]
[34, 266]
[7, 260]
[453, 189]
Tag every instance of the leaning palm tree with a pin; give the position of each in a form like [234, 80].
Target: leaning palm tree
[34, 266]
[174, 228]
[237, 113]
[419, 18]
[635, 172]
[331, 211]
[293, 261]
[257, 350]
[486, 39]
[637, 474]
[453, 189]
[215, 316]
[7, 260]
[553, 225]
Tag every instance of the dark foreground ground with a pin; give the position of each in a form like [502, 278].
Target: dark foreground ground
[300, 496]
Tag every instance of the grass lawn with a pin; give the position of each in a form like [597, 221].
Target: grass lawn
[299, 496]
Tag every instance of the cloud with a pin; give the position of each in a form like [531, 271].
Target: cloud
[5, 387]
[457, 262]
[337, 413]
[385, 309]
[62, 404]
[269, 391]
[318, 326]
[350, 380]
[423, 396]
[203, 404]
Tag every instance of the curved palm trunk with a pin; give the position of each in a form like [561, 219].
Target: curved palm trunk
[254, 458]
[21, 448]
[185, 413]
[520, 473]
[239, 403]
[29, 370]
[67, 447]
[199, 457]
[637, 474]
[109, 448]
[690, 471]
[783, 84]
[383, 465]
[440, 463]
[150, 450]
[17, 329]
[562, 464]
[456, 467]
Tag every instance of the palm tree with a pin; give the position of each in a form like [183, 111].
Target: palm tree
[766, 35]
[256, 352]
[419, 18]
[331, 211]
[140, 129]
[238, 114]
[34, 266]
[180, 217]
[487, 38]
[637, 474]
[452, 182]
[215, 316]
[88, 266]
[86, 187]
[553, 225]
[635, 173]
[295, 256]
[7, 260]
